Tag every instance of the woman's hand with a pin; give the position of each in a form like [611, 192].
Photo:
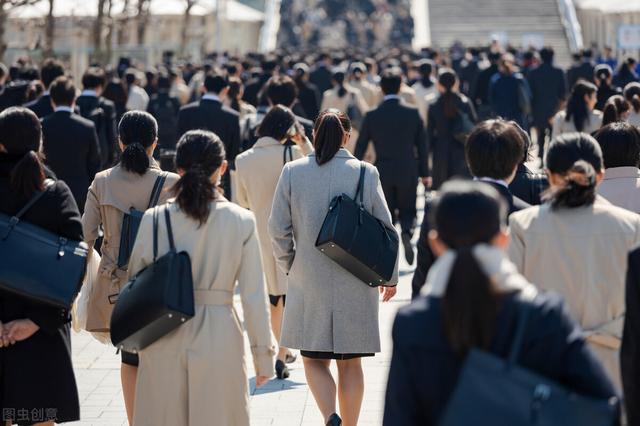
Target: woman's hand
[17, 331]
[387, 293]
[261, 380]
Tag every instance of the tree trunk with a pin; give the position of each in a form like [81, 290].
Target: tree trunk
[109, 37]
[49, 33]
[185, 27]
[3, 26]
[97, 32]
[143, 19]
[123, 25]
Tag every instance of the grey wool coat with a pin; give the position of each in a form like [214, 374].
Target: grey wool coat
[328, 309]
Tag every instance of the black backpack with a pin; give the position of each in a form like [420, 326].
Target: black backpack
[99, 119]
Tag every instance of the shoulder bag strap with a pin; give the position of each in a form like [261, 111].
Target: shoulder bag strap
[287, 150]
[157, 190]
[34, 199]
[155, 233]
[167, 218]
[360, 190]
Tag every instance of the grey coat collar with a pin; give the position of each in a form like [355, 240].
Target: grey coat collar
[342, 153]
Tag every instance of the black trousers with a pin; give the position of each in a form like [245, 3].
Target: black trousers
[401, 199]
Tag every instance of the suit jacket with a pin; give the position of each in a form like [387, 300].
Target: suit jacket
[107, 133]
[424, 368]
[483, 82]
[321, 77]
[528, 185]
[582, 71]
[328, 309]
[398, 136]
[221, 120]
[548, 89]
[41, 106]
[253, 88]
[72, 151]
[426, 258]
[309, 97]
[630, 352]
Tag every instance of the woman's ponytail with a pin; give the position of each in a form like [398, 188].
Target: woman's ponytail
[195, 192]
[135, 159]
[328, 134]
[448, 79]
[579, 188]
[27, 176]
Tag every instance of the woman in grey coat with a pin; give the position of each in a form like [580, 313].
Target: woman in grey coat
[330, 313]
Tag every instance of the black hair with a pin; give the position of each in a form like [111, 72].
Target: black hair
[277, 123]
[577, 157]
[163, 81]
[62, 91]
[138, 130]
[281, 90]
[215, 83]
[425, 68]
[576, 105]
[130, 76]
[447, 78]
[93, 78]
[21, 135]
[467, 213]
[391, 81]
[338, 77]
[199, 154]
[620, 144]
[614, 108]
[235, 90]
[601, 73]
[115, 92]
[632, 94]
[50, 70]
[547, 54]
[328, 133]
[494, 149]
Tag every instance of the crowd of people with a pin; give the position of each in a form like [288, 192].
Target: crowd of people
[245, 154]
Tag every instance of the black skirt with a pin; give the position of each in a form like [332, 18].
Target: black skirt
[331, 355]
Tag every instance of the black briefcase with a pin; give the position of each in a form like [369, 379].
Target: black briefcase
[131, 223]
[356, 240]
[38, 264]
[157, 300]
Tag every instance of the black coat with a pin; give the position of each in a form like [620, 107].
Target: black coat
[105, 124]
[397, 133]
[548, 89]
[482, 85]
[604, 93]
[72, 151]
[321, 77]
[223, 121]
[309, 98]
[447, 153]
[426, 258]
[165, 109]
[630, 352]
[583, 71]
[253, 88]
[41, 106]
[424, 368]
[528, 185]
[37, 372]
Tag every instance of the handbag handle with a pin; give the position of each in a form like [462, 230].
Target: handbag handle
[167, 218]
[157, 190]
[360, 190]
[15, 219]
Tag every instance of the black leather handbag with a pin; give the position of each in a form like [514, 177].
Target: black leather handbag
[131, 223]
[356, 240]
[38, 264]
[498, 392]
[157, 300]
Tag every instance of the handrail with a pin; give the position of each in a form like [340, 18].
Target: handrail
[571, 25]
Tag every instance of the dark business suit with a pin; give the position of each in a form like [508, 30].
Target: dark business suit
[528, 185]
[397, 133]
[481, 95]
[209, 114]
[425, 369]
[548, 89]
[309, 98]
[71, 148]
[630, 352]
[321, 77]
[253, 88]
[105, 123]
[41, 106]
[582, 71]
[426, 258]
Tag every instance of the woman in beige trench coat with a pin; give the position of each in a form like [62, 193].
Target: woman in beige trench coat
[257, 173]
[577, 244]
[112, 193]
[196, 375]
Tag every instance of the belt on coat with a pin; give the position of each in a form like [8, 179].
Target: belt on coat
[213, 297]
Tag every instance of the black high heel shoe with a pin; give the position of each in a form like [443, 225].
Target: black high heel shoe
[282, 372]
[334, 420]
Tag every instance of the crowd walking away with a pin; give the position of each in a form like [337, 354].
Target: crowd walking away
[225, 219]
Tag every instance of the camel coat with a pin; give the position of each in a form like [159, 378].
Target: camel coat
[196, 375]
[582, 254]
[328, 309]
[257, 173]
[112, 193]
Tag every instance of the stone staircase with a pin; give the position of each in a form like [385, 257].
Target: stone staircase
[473, 22]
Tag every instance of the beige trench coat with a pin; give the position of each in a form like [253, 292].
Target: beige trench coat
[196, 375]
[582, 254]
[113, 192]
[257, 173]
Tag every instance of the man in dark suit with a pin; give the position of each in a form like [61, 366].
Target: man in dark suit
[210, 114]
[321, 75]
[481, 94]
[253, 91]
[51, 69]
[630, 351]
[398, 135]
[494, 150]
[548, 90]
[583, 70]
[101, 111]
[70, 142]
